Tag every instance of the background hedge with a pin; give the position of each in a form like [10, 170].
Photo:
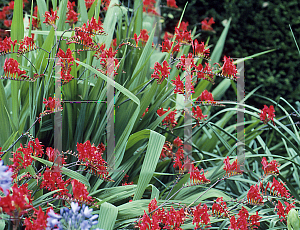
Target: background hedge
[256, 26]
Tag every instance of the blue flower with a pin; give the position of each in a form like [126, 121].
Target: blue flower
[5, 178]
[75, 218]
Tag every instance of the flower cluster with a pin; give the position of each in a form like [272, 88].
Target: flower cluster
[228, 68]
[254, 197]
[172, 4]
[179, 86]
[174, 151]
[277, 188]
[283, 212]
[244, 220]
[161, 71]
[166, 219]
[91, 156]
[72, 16]
[66, 60]
[11, 69]
[50, 18]
[149, 7]
[75, 218]
[270, 168]
[143, 37]
[169, 120]
[197, 176]
[18, 202]
[206, 24]
[219, 208]
[267, 114]
[26, 45]
[38, 220]
[51, 103]
[7, 45]
[201, 216]
[231, 169]
[80, 192]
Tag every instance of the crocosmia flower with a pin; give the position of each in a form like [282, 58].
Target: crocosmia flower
[5, 178]
[161, 71]
[206, 24]
[50, 18]
[228, 68]
[267, 114]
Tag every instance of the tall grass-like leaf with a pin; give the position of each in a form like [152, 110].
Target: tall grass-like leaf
[121, 144]
[107, 216]
[155, 145]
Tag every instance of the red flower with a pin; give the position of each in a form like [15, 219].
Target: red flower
[168, 120]
[66, 60]
[5, 45]
[282, 213]
[172, 3]
[179, 86]
[233, 224]
[254, 197]
[219, 208]
[92, 158]
[231, 169]
[40, 221]
[168, 36]
[11, 69]
[270, 168]
[278, 189]
[152, 205]
[228, 68]
[27, 44]
[167, 45]
[105, 55]
[146, 111]
[206, 25]
[183, 62]
[143, 36]
[183, 36]
[53, 155]
[201, 216]
[72, 17]
[161, 71]
[267, 114]
[89, 3]
[198, 114]
[177, 142]
[199, 49]
[183, 26]
[197, 177]
[18, 202]
[50, 18]
[80, 192]
[36, 147]
[205, 73]
[21, 159]
[7, 23]
[254, 220]
[52, 180]
[149, 7]
[51, 103]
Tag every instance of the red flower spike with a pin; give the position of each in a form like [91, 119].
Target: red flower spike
[242, 221]
[80, 192]
[161, 71]
[5, 45]
[283, 212]
[53, 155]
[143, 36]
[253, 196]
[177, 142]
[278, 189]
[197, 177]
[270, 168]
[228, 68]
[179, 86]
[152, 205]
[51, 104]
[36, 147]
[172, 4]
[206, 25]
[168, 120]
[89, 3]
[50, 18]
[254, 220]
[231, 169]
[26, 45]
[206, 96]
[183, 26]
[199, 49]
[11, 69]
[233, 224]
[267, 114]
[72, 17]
[38, 220]
[52, 180]
[18, 202]
[105, 55]
[183, 36]
[66, 60]
[201, 216]
[219, 208]
[146, 111]
[197, 114]
[149, 7]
